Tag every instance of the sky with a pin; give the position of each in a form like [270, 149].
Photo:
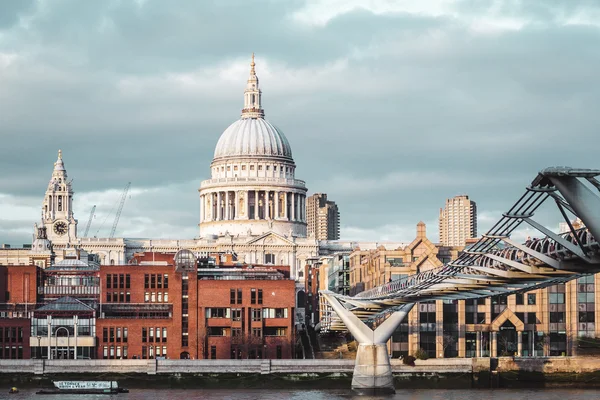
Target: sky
[390, 106]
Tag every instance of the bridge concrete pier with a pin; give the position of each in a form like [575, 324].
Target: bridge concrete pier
[372, 368]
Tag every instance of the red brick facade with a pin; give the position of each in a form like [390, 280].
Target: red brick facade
[153, 308]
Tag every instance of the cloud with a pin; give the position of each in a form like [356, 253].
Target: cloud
[390, 106]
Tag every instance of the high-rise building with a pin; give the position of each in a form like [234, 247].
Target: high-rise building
[322, 217]
[458, 221]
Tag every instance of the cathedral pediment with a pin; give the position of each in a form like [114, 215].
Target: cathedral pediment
[271, 239]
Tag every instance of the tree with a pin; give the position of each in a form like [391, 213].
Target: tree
[446, 341]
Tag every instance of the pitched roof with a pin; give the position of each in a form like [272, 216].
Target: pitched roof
[66, 303]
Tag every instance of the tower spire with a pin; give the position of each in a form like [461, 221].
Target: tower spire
[252, 96]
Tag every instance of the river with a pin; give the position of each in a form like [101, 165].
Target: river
[269, 394]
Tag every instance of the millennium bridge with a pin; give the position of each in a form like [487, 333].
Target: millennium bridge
[495, 265]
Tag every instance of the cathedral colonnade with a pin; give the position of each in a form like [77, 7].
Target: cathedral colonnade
[254, 204]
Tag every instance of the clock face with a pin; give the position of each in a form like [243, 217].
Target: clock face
[60, 228]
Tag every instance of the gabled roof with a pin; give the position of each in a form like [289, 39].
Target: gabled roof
[66, 303]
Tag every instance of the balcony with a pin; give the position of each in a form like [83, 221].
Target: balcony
[251, 180]
[69, 290]
[137, 310]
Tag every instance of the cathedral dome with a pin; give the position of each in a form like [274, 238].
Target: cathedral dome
[253, 137]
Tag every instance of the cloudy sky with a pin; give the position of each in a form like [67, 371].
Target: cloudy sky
[390, 106]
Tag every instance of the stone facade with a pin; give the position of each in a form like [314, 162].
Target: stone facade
[558, 320]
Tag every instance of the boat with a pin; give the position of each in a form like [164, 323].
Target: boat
[84, 387]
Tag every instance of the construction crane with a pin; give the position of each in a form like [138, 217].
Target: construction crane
[123, 197]
[87, 227]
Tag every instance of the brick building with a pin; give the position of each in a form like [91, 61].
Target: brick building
[159, 305]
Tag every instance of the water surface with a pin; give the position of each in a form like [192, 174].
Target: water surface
[270, 394]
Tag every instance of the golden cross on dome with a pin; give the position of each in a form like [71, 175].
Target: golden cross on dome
[60, 154]
[252, 65]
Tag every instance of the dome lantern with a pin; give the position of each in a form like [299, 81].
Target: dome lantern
[252, 96]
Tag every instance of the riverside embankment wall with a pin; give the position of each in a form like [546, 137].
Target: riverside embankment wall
[153, 367]
[449, 373]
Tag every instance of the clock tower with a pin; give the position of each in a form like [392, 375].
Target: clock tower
[57, 210]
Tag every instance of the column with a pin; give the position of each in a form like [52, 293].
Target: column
[49, 319]
[75, 323]
[267, 204]
[494, 346]
[201, 208]
[236, 203]
[293, 206]
[211, 199]
[247, 209]
[519, 344]
[218, 206]
[227, 205]
[478, 344]
[285, 207]
[256, 204]
[276, 194]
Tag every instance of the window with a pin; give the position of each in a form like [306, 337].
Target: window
[127, 282]
[159, 281]
[118, 334]
[260, 296]
[115, 282]
[165, 281]
[556, 298]
[160, 297]
[275, 313]
[144, 336]
[166, 297]
[236, 314]
[153, 281]
[121, 281]
[531, 299]
[217, 313]
[108, 281]
[146, 297]
[213, 352]
[128, 297]
[236, 331]
[112, 334]
[519, 297]
[125, 335]
[158, 335]
[164, 334]
[269, 258]
[105, 335]
[256, 314]
[239, 296]
[146, 281]
[256, 332]
[253, 296]
[151, 335]
[232, 296]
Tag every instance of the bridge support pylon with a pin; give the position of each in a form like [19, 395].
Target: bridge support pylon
[372, 368]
